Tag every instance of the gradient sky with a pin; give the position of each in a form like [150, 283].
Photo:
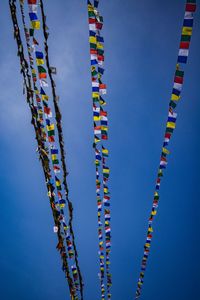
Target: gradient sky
[141, 44]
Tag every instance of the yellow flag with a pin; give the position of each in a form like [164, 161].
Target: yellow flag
[96, 118]
[187, 31]
[175, 97]
[90, 7]
[96, 162]
[166, 151]
[95, 95]
[35, 24]
[93, 39]
[62, 205]
[171, 125]
[45, 97]
[104, 128]
[105, 151]
[39, 61]
[51, 127]
[53, 156]
[99, 46]
[96, 140]
[150, 229]
[139, 283]
[102, 102]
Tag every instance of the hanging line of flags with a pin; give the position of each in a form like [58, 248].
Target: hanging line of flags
[61, 187]
[170, 126]
[100, 119]
[39, 103]
[34, 121]
[43, 152]
[58, 117]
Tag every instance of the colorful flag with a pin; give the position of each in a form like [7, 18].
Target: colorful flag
[33, 16]
[42, 72]
[35, 24]
[32, 1]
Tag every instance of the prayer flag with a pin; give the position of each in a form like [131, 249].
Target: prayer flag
[191, 7]
[35, 24]
[39, 55]
[42, 72]
[33, 16]
[32, 1]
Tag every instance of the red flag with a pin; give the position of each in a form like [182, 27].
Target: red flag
[184, 45]
[99, 25]
[168, 135]
[92, 21]
[103, 113]
[47, 110]
[93, 51]
[191, 7]
[51, 139]
[178, 79]
[32, 1]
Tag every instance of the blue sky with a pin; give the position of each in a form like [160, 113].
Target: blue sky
[141, 44]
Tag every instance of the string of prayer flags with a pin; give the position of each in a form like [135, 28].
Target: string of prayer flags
[170, 126]
[47, 138]
[100, 118]
[41, 146]
[60, 203]
[50, 128]
[51, 71]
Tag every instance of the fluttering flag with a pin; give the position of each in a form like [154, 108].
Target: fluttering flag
[32, 1]
[42, 72]
[100, 118]
[35, 24]
[170, 126]
[33, 8]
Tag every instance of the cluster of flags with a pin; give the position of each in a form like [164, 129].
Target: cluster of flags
[46, 120]
[43, 101]
[170, 126]
[100, 119]
[48, 129]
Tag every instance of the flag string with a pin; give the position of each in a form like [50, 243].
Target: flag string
[62, 145]
[170, 126]
[100, 119]
[46, 138]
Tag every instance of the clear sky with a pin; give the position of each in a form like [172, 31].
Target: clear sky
[141, 44]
